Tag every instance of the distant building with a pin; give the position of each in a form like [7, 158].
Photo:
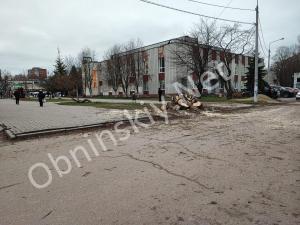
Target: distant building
[20, 77]
[160, 71]
[37, 73]
[27, 85]
[297, 80]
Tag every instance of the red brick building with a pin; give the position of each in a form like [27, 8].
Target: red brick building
[37, 73]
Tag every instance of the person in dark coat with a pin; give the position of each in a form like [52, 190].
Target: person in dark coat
[41, 97]
[17, 95]
[160, 92]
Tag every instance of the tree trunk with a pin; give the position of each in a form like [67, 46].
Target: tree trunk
[77, 94]
[228, 89]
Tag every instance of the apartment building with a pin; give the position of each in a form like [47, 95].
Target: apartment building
[160, 70]
[37, 73]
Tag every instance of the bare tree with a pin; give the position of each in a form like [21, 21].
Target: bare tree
[86, 52]
[131, 62]
[139, 69]
[113, 66]
[286, 63]
[193, 51]
[71, 61]
[87, 57]
[4, 83]
[233, 41]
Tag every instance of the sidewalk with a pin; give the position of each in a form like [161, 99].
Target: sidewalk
[29, 119]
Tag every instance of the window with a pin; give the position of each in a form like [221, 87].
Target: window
[214, 55]
[145, 86]
[235, 85]
[222, 56]
[162, 84]
[146, 68]
[236, 79]
[161, 63]
[236, 70]
[184, 81]
[243, 60]
[237, 59]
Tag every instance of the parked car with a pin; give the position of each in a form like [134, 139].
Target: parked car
[298, 96]
[288, 92]
[285, 92]
[270, 91]
[296, 90]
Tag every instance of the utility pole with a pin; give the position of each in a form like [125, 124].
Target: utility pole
[256, 57]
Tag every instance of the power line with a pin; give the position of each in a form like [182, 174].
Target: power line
[263, 35]
[196, 14]
[263, 51]
[223, 10]
[220, 6]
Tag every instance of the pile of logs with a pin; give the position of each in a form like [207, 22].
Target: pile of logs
[184, 102]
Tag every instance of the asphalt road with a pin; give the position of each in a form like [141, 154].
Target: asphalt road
[234, 168]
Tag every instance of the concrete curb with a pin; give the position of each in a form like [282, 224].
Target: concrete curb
[19, 136]
[10, 134]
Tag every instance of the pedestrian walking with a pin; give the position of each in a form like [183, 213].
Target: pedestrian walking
[160, 92]
[134, 97]
[41, 97]
[17, 95]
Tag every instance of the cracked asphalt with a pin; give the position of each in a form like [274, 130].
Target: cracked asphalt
[234, 168]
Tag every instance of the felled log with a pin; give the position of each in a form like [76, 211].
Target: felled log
[184, 102]
[81, 101]
[197, 104]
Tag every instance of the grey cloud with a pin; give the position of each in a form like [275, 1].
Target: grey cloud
[32, 30]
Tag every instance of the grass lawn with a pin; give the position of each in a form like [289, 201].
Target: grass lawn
[106, 105]
[168, 98]
[212, 98]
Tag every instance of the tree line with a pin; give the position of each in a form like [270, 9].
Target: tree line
[286, 63]
[125, 65]
[67, 75]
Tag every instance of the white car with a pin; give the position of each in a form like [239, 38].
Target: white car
[298, 96]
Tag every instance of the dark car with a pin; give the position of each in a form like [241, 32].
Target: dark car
[285, 92]
[270, 91]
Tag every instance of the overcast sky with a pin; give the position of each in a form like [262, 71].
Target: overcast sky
[31, 30]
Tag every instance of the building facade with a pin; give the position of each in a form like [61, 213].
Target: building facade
[37, 73]
[297, 80]
[160, 70]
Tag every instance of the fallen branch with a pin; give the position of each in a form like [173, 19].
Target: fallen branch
[81, 101]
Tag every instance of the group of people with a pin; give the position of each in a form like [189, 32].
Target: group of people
[41, 96]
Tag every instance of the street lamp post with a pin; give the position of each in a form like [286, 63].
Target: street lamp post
[269, 56]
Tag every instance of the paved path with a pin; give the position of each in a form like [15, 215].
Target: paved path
[123, 101]
[29, 117]
[213, 169]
